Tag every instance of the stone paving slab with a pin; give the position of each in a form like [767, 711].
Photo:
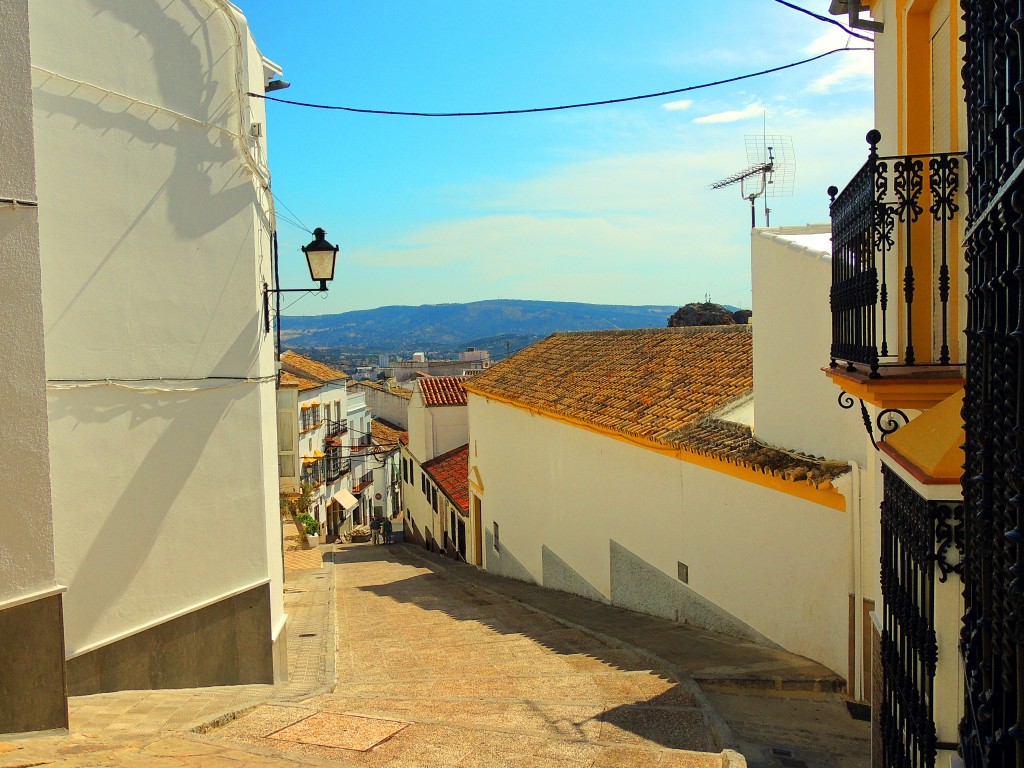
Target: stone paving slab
[481, 681]
[474, 678]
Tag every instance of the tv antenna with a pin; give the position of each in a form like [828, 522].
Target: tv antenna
[770, 173]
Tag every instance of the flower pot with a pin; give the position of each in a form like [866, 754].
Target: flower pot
[312, 540]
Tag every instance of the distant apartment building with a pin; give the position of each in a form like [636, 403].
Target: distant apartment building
[154, 228]
[406, 370]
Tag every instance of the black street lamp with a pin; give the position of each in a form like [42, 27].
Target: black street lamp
[321, 257]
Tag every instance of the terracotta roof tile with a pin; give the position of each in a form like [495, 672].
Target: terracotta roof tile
[645, 383]
[735, 444]
[661, 385]
[451, 472]
[305, 366]
[385, 432]
[302, 384]
[443, 390]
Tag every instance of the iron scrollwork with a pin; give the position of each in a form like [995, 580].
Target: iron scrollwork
[949, 535]
[888, 421]
[846, 403]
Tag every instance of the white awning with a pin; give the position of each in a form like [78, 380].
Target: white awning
[346, 499]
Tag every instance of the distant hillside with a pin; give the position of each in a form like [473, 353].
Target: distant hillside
[448, 328]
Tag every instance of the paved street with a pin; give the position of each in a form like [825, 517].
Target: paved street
[439, 664]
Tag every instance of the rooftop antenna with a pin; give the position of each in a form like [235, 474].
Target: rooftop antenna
[770, 173]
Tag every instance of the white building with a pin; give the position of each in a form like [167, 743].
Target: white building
[438, 423]
[154, 232]
[796, 406]
[387, 401]
[619, 465]
[32, 685]
[322, 440]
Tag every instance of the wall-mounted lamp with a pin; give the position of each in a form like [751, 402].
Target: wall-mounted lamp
[321, 257]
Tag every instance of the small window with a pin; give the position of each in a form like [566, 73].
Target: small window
[497, 543]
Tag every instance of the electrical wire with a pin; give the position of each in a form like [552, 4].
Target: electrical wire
[298, 221]
[580, 105]
[827, 20]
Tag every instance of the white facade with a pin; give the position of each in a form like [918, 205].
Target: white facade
[797, 406]
[155, 242]
[390, 406]
[32, 684]
[620, 523]
[435, 429]
[26, 535]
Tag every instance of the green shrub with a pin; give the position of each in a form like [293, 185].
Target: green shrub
[309, 524]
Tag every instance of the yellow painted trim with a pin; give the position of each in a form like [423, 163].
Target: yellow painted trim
[894, 391]
[825, 494]
[478, 483]
[901, 79]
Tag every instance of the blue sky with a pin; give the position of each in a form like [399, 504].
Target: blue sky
[605, 204]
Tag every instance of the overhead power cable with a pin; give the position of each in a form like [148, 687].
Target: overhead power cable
[579, 105]
[827, 20]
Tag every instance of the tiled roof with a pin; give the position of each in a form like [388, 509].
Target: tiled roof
[311, 368]
[385, 432]
[645, 383]
[660, 386]
[734, 443]
[302, 384]
[451, 472]
[443, 390]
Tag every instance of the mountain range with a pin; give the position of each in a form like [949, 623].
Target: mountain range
[498, 325]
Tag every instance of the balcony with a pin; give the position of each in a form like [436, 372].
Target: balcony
[337, 467]
[896, 266]
[336, 428]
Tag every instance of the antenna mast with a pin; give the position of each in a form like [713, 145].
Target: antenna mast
[769, 174]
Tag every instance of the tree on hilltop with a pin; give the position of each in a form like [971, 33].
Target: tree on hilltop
[701, 313]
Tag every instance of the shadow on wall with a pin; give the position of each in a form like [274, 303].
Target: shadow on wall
[558, 574]
[503, 562]
[671, 717]
[136, 521]
[639, 586]
[206, 186]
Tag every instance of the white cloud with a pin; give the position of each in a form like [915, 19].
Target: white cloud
[633, 228]
[850, 71]
[733, 115]
[674, 106]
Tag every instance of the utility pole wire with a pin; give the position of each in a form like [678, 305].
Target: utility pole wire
[726, 81]
[827, 20]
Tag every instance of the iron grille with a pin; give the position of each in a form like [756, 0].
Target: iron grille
[918, 539]
[992, 637]
[873, 230]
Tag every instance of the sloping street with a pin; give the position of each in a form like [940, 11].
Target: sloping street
[438, 663]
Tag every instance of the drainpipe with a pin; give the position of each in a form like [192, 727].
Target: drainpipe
[856, 526]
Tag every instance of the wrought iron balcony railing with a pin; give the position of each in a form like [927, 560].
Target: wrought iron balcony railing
[337, 467]
[336, 428]
[884, 252]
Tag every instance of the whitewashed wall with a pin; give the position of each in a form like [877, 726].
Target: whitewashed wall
[26, 514]
[155, 247]
[611, 521]
[385, 405]
[792, 278]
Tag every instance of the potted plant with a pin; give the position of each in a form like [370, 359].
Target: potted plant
[311, 528]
